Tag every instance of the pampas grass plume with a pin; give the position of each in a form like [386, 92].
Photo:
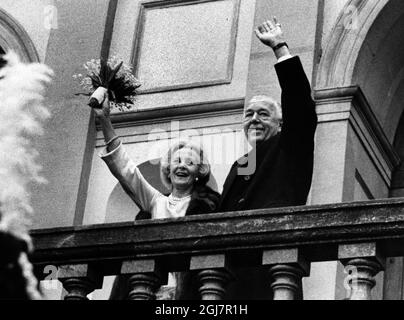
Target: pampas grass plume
[21, 115]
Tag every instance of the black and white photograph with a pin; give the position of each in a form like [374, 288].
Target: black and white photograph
[217, 151]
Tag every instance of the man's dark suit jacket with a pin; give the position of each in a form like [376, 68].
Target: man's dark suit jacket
[283, 174]
[284, 163]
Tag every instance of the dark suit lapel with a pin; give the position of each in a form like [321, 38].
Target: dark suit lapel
[228, 183]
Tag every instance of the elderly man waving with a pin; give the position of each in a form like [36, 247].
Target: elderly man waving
[281, 136]
[277, 172]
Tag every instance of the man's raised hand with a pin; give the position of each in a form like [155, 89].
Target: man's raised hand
[270, 33]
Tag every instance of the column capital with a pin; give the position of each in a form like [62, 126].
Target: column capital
[145, 277]
[292, 257]
[79, 280]
[349, 253]
[287, 267]
[362, 261]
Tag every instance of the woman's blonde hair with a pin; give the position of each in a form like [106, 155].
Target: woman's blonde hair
[203, 164]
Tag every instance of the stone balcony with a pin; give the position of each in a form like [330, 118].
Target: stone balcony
[282, 242]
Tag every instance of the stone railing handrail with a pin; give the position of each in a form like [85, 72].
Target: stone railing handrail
[358, 233]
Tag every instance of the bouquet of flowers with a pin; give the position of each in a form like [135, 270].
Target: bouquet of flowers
[114, 75]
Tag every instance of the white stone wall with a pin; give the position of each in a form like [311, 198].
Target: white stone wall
[237, 66]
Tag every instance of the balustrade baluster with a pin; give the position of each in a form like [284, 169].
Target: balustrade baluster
[362, 262]
[79, 280]
[214, 275]
[287, 267]
[146, 277]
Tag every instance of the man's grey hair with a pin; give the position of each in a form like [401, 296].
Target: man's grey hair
[271, 103]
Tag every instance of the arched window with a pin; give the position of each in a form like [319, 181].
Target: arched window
[14, 37]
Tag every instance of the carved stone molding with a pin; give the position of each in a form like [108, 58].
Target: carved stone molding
[14, 37]
[350, 104]
[186, 81]
[338, 61]
[178, 112]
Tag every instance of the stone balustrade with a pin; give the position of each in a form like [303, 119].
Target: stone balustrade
[282, 241]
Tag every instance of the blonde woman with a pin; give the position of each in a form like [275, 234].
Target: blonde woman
[184, 170]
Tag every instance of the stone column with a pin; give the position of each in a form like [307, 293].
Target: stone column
[79, 280]
[146, 277]
[286, 268]
[353, 162]
[362, 262]
[214, 274]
